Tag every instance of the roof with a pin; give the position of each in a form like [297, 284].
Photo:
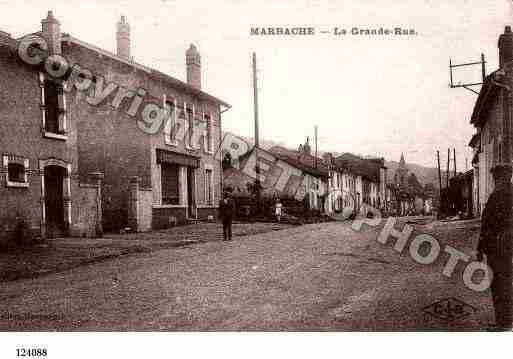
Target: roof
[487, 93]
[367, 168]
[312, 165]
[238, 181]
[171, 80]
[462, 177]
[474, 141]
[7, 42]
[475, 158]
[5, 39]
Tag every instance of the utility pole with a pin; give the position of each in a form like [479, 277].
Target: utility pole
[439, 180]
[257, 139]
[483, 67]
[468, 86]
[255, 100]
[454, 157]
[448, 162]
[315, 160]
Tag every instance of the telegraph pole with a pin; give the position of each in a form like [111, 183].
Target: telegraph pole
[255, 100]
[257, 139]
[439, 181]
[315, 160]
[454, 157]
[439, 171]
[448, 162]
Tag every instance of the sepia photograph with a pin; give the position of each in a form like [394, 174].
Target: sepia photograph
[266, 168]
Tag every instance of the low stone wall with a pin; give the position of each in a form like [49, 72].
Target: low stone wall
[86, 212]
[140, 207]
[167, 217]
[204, 213]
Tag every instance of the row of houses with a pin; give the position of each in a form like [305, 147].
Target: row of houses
[79, 160]
[329, 184]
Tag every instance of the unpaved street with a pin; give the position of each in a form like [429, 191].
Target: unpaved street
[314, 277]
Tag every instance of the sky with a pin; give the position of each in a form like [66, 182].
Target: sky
[369, 95]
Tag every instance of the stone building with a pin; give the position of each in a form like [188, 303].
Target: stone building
[282, 175]
[152, 136]
[363, 181]
[40, 184]
[316, 173]
[491, 118]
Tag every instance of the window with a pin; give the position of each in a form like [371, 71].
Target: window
[16, 172]
[170, 187]
[190, 126]
[53, 108]
[16, 169]
[170, 122]
[210, 138]
[209, 187]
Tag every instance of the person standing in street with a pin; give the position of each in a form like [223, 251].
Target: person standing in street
[496, 243]
[226, 214]
[278, 209]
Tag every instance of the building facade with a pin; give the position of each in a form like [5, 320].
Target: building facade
[151, 136]
[40, 183]
[316, 174]
[280, 177]
[491, 118]
[365, 182]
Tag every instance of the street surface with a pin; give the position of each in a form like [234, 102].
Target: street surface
[314, 277]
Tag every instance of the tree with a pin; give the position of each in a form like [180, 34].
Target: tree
[414, 186]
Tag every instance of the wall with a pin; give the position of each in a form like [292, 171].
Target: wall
[110, 141]
[489, 138]
[145, 210]
[86, 211]
[165, 217]
[21, 135]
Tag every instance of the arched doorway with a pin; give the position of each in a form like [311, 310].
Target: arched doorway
[54, 200]
[56, 191]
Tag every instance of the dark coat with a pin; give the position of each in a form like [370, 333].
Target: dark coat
[497, 224]
[226, 209]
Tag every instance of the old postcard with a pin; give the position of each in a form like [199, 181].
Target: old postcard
[255, 166]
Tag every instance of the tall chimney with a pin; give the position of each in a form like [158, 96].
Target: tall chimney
[506, 46]
[51, 29]
[123, 38]
[193, 62]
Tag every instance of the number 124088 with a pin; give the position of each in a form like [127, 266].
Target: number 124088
[31, 352]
